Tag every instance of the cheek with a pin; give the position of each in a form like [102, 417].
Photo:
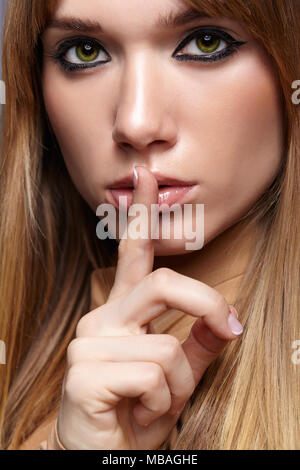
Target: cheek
[239, 127]
[77, 119]
[70, 106]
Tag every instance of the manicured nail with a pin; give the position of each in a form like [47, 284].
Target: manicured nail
[235, 325]
[135, 178]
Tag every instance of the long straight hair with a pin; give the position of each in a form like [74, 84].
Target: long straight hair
[248, 397]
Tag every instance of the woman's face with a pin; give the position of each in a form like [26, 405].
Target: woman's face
[215, 123]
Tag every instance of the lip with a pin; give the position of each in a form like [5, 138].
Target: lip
[172, 191]
[167, 196]
[162, 180]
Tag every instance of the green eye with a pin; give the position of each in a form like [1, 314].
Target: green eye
[87, 52]
[208, 43]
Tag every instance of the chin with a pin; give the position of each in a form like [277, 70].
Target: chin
[172, 247]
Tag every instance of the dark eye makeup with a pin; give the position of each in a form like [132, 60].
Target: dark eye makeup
[86, 50]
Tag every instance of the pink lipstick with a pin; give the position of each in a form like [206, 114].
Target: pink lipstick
[171, 191]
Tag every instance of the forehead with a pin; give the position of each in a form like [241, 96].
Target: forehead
[134, 15]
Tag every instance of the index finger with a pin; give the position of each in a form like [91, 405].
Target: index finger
[136, 256]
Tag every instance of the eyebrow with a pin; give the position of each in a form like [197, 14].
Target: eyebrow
[171, 20]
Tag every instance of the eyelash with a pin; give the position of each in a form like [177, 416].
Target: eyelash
[232, 47]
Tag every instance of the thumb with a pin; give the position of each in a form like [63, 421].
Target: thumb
[202, 346]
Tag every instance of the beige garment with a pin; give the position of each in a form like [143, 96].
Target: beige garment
[222, 266]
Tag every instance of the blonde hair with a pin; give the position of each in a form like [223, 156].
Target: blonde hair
[248, 397]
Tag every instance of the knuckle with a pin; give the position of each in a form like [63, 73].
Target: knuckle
[82, 326]
[170, 348]
[219, 303]
[161, 276]
[73, 351]
[91, 321]
[153, 376]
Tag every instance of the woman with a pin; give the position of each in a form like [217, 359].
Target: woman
[153, 356]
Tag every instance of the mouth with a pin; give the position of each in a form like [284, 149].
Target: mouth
[167, 195]
[170, 191]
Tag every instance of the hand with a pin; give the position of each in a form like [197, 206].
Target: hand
[121, 377]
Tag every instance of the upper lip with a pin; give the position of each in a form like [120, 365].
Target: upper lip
[162, 180]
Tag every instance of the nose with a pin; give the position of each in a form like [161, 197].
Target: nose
[144, 117]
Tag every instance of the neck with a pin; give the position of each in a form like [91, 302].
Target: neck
[225, 256]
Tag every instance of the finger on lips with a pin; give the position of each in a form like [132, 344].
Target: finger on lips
[141, 295]
[136, 256]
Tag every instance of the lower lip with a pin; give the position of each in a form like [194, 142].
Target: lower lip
[167, 195]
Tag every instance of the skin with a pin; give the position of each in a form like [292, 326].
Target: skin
[219, 124]
[120, 377]
[224, 133]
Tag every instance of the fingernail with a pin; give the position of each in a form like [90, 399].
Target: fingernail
[135, 178]
[235, 325]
